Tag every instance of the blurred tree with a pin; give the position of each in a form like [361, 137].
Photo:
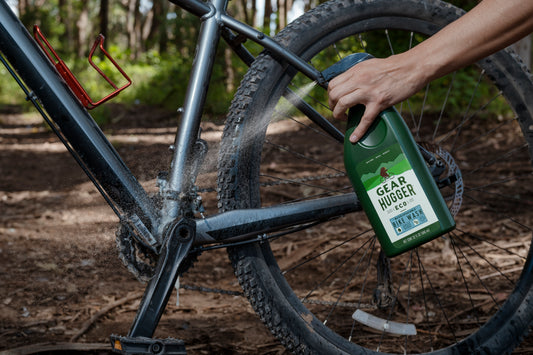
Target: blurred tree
[104, 18]
[161, 38]
[84, 26]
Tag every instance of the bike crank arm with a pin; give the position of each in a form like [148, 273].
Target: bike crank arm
[239, 225]
[178, 242]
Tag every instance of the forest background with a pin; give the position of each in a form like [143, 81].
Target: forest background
[153, 41]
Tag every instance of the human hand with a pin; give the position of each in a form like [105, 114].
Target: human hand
[375, 83]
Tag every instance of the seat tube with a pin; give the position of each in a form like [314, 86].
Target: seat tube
[180, 178]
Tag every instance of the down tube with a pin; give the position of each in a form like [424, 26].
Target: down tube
[78, 127]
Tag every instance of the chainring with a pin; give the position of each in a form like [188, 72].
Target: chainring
[141, 261]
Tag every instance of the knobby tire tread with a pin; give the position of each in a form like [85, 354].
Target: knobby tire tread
[235, 190]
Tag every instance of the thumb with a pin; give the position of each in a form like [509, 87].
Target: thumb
[371, 112]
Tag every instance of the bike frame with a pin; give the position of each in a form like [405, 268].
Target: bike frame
[84, 139]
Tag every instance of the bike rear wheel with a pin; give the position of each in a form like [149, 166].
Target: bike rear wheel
[466, 292]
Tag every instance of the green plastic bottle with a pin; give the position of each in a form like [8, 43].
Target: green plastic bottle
[391, 178]
[393, 183]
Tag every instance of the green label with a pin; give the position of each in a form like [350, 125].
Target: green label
[396, 194]
[388, 163]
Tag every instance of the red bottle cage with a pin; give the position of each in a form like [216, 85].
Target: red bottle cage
[71, 80]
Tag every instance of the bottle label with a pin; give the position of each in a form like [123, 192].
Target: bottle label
[396, 194]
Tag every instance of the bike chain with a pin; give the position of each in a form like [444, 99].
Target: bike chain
[130, 253]
[141, 262]
[285, 182]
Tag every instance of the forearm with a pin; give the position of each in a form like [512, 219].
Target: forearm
[380, 83]
[490, 26]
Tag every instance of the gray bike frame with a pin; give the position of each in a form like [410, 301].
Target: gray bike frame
[170, 231]
[90, 147]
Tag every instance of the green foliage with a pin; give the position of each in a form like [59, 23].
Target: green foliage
[160, 72]
[157, 80]
[10, 92]
[467, 89]
[163, 82]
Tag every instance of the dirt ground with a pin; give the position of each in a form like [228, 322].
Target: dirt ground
[58, 256]
[63, 287]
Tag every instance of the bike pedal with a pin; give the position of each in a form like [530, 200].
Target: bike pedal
[142, 345]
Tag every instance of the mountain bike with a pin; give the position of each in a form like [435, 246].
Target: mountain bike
[299, 242]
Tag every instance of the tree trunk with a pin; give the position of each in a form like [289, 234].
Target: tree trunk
[288, 5]
[21, 6]
[65, 17]
[158, 29]
[147, 25]
[163, 34]
[254, 13]
[243, 12]
[104, 18]
[268, 14]
[83, 25]
[130, 27]
[138, 30]
[282, 14]
[308, 4]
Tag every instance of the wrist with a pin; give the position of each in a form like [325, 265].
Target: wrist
[413, 71]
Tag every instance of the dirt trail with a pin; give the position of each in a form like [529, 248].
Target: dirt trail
[58, 257]
[58, 260]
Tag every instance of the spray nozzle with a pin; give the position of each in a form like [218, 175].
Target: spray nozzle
[344, 64]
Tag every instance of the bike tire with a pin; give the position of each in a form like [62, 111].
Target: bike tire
[499, 305]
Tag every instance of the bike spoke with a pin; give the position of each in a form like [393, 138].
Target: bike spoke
[284, 272]
[334, 271]
[513, 198]
[424, 299]
[443, 107]
[467, 289]
[485, 135]
[502, 157]
[284, 114]
[347, 283]
[493, 210]
[436, 296]
[300, 155]
[467, 110]
[496, 246]
[473, 269]
[301, 183]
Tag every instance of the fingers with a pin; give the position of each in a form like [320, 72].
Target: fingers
[353, 87]
[342, 91]
[371, 112]
[342, 97]
[344, 103]
[341, 105]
